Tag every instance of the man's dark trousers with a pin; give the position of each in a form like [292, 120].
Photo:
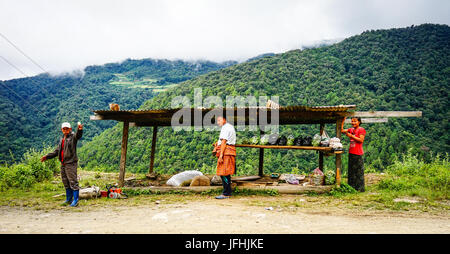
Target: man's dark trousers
[69, 175]
[226, 183]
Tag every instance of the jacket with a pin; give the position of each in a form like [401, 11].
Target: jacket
[70, 148]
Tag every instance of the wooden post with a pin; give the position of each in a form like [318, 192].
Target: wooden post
[322, 126]
[338, 156]
[152, 153]
[123, 155]
[261, 158]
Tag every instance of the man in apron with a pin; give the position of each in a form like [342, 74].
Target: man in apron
[225, 151]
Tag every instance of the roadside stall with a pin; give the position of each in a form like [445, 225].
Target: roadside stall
[287, 115]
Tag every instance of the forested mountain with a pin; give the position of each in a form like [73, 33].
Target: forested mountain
[33, 108]
[395, 69]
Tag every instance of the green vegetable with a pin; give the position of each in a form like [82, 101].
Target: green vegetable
[264, 139]
[316, 140]
[290, 140]
[254, 140]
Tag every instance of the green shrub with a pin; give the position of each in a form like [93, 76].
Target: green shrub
[6, 177]
[16, 176]
[23, 176]
[41, 171]
[29, 171]
[409, 174]
[330, 177]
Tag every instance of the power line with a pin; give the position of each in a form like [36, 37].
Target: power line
[20, 97]
[15, 67]
[23, 53]
[35, 63]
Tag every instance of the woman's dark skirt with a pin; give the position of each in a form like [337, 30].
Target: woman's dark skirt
[356, 172]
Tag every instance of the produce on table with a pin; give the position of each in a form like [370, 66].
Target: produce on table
[290, 140]
[282, 141]
[307, 141]
[264, 139]
[273, 138]
[298, 141]
[316, 140]
[254, 140]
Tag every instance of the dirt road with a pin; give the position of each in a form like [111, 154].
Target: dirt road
[212, 216]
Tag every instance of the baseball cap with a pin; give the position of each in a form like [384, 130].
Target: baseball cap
[65, 125]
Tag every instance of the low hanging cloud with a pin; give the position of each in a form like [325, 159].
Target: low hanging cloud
[62, 36]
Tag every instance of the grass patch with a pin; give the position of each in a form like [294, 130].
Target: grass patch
[412, 177]
[408, 178]
[344, 189]
[211, 192]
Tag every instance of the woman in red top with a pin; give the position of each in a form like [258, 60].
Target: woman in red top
[355, 153]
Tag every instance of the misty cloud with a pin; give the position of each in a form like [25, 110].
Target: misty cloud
[65, 35]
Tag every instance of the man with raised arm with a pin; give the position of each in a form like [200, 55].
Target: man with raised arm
[66, 151]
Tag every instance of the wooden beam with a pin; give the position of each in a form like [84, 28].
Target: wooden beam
[322, 127]
[317, 148]
[261, 158]
[338, 159]
[388, 113]
[95, 117]
[261, 162]
[369, 120]
[152, 154]
[123, 155]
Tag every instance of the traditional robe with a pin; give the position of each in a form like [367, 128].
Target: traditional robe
[228, 166]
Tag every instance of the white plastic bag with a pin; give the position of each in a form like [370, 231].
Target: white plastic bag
[325, 139]
[179, 178]
[335, 143]
[292, 179]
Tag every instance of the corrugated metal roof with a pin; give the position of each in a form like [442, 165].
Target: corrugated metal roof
[282, 108]
[295, 114]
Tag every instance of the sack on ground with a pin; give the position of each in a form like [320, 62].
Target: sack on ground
[179, 178]
[90, 192]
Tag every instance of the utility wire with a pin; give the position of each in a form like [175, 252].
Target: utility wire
[20, 97]
[23, 53]
[35, 63]
[15, 67]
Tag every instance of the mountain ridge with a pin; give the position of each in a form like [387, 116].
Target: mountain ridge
[386, 69]
[39, 104]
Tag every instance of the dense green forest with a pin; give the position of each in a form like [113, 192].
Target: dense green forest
[394, 69]
[33, 108]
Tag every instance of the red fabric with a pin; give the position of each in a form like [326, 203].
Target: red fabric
[355, 146]
[228, 166]
[62, 150]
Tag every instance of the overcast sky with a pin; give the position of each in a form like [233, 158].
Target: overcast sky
[68, 35]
